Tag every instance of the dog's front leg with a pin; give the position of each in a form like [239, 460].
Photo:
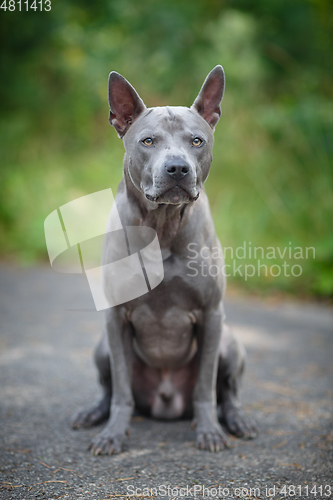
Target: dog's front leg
[210, 435]
[110, 440]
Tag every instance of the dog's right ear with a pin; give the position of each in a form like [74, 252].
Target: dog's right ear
[124, 102]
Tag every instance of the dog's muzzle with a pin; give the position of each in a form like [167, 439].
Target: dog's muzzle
[176, 183]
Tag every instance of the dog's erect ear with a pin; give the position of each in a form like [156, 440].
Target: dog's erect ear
[124, 102]
[208, 102]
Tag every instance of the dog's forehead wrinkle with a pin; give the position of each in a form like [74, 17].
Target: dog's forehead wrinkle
[170, 121]
[148, 111]
[171, 113]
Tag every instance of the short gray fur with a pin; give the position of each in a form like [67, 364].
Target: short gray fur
[169, 353]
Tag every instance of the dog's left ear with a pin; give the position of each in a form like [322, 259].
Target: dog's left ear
[208, 102]
[124, 102]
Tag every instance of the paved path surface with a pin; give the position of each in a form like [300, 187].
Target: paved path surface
[48, 331]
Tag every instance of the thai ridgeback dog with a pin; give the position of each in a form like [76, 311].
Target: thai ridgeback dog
[169, 353]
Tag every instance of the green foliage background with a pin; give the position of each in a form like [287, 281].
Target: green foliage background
[271, 181]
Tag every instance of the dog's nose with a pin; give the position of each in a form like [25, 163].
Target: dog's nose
[177, 168]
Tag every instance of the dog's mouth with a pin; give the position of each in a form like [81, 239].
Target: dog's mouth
[173, 196]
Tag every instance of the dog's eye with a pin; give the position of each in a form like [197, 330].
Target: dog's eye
[197, 141]
[148, 141]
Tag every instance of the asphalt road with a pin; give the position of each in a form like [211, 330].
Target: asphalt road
[48, 331]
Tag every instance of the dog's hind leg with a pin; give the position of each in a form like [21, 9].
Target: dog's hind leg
[230, 370]
[100, 412]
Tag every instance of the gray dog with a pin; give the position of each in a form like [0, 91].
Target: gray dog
[169, 353]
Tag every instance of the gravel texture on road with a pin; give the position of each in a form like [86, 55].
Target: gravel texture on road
[49, 329]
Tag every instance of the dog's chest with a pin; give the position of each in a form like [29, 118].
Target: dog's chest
[163, 336]
[163, 320]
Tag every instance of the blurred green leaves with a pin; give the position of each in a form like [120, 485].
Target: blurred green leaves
[271, 181]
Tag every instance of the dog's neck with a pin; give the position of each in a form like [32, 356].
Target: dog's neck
[165, 219]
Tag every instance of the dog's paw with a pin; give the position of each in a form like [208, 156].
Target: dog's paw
[94, 416]
[213, 440]
[106, 444]
[88, 418]
[239, 424]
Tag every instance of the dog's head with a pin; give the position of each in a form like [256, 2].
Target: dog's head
[168, 149]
